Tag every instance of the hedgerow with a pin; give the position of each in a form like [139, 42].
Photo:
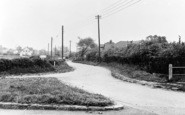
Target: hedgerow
[31, 65]
[153, 55]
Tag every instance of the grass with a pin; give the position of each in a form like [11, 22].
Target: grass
[135, 72]
[47, 91]
[62, 68]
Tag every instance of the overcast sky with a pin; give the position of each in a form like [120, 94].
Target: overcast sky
[33, 22]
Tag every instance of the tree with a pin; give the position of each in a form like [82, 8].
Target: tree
[19, 49]
[10, 52]
[85, 45]
[156, 39]
[43, 52]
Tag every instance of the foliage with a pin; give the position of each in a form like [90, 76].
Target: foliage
[85, 45]
[32, 65]
[153, 55]
[19, 49]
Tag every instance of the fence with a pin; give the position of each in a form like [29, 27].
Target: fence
[171, 71]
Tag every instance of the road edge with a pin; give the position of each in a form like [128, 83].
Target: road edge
[4, 105]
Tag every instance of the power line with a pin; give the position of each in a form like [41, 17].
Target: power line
[121, 9]
[114, 6]
[118, 7]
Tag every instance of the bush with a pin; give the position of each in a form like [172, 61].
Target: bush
[57, 62]
[32, 65]
[153, 55]
[8, 98]
[23, 63]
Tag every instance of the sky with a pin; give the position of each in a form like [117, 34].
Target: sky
[33, 22]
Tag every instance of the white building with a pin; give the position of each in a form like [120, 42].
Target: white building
[26, 52]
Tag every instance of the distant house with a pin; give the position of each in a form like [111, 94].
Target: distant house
[108, 45]
[122, 44]
[26, 52]
[118, 45]
[15, 52]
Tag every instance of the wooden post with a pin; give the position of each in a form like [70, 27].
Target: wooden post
[170, 71]
[54, 63]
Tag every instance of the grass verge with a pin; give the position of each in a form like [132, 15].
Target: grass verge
[47, 91]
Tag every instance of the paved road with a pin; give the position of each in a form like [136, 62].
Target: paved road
[126, 111]
[99, 80]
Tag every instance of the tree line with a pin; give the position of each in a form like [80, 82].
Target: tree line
[153, 54]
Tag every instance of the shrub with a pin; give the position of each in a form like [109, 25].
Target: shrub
[153, 55]
[8, 98]
[25, 65]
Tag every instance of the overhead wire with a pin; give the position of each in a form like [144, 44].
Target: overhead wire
[108, 11]
[118, 10]
[112, 5]
[115, 6]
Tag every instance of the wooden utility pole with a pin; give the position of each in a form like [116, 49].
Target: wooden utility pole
[62, 48]
[98, 17]
[55, 50]
[179, 39]
[48, 49]
[70, 48]
[51, 47]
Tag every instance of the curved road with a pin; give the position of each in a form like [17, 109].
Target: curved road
[99, 80]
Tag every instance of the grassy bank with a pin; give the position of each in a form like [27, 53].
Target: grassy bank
[21, 66]
[47, 91]
[135, 75]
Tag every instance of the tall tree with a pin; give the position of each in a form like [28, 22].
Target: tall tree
[85, 45]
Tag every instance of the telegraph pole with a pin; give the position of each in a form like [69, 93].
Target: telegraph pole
[98, 17]
[48, 49]
[55, 50]
[51, 47]
[62, 42]
[70, 48]
[179, 39]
